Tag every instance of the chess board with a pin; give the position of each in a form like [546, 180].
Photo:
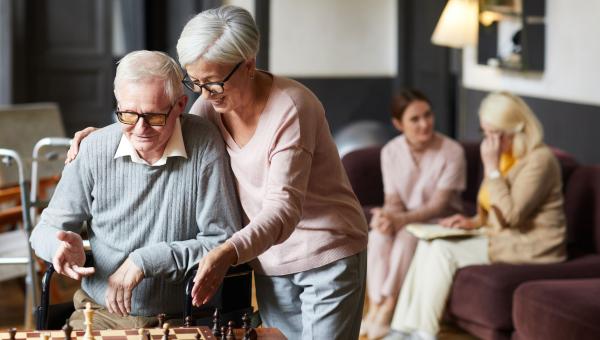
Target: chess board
[177, 333]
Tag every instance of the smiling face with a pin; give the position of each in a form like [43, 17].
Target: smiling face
[148, 96]
[417, 123]
[236, 94]
[506, 139]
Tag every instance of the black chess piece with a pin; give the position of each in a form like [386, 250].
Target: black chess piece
[216, 329]
[161, 319]
[197, 336]
[249, 332]
[13, 333]
[188, 321]
[230, 333]
[223, 333]
[67, 329]
[148, 336]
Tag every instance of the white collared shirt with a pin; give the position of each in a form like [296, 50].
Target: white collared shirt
[175, 148]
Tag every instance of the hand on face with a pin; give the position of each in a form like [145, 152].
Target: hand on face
[490, 151]
[120, 285]
[69, 259]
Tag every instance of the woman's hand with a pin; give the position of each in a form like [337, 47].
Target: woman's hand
[382, 222]
[457, 221]
[211, 271]
[77, 138]
[490, 152]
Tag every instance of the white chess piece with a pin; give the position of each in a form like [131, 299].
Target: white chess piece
[88, 313]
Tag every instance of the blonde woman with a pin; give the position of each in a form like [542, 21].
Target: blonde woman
[520, 207]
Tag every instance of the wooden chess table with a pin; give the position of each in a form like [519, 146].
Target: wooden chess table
[176, 333]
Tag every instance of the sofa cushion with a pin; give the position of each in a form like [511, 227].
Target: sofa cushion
[483, 294]
[557, 309]
[363, 167]
[582, 209]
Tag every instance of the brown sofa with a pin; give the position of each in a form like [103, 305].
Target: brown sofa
[495, 301]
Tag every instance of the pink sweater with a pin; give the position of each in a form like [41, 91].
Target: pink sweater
[301, 212]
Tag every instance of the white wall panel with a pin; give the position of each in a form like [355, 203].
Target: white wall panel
[572, 71]
[333, 38]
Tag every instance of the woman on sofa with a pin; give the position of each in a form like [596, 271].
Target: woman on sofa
[520, 210]
[423, 175]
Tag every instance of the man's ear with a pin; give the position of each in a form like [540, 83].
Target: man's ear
[181, 103]
[397, 124]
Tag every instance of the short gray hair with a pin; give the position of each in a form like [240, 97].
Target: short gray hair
[142, 65]
[226, 35]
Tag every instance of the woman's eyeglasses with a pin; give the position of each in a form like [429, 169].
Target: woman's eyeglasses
[212, 87]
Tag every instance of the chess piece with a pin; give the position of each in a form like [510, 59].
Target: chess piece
[67, 329]
[230, 334]
[45, 336]
[198, 336]
[88, 313]
[249, 332]
[223, 333]
[216, 329]
[166, 331]
[161, 319]
[13, 333]
[188, 321]
[148, 336]
[141, 333]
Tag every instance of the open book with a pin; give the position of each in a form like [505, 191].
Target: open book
[433, 231]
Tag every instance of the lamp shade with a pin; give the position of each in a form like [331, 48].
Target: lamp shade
[457, 26]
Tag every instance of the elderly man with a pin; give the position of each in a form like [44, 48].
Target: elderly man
[156, 192]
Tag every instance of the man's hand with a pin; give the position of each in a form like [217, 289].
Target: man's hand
[211, 271]
[457, 221]
[120, 286]
[70, 256]
[79, 136]
[382, 222]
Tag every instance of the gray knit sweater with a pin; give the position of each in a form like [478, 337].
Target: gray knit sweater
[164, 218]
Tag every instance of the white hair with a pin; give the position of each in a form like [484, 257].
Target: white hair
[226, 35]
[510, 114]
[143, 65]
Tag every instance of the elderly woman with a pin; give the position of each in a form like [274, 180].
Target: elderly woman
[305, 234]
[423, 175]
[520, 207]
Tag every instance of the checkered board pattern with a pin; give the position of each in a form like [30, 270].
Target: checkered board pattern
[155, 333]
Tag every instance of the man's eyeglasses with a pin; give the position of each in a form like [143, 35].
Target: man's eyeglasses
[154, 119]
[211, 87]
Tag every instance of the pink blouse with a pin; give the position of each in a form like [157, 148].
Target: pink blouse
[301, 212]
[442, 166]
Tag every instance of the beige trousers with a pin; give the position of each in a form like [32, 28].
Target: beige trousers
[103, 319]
[429, 279]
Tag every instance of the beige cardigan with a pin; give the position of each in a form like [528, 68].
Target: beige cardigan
[527, 222]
